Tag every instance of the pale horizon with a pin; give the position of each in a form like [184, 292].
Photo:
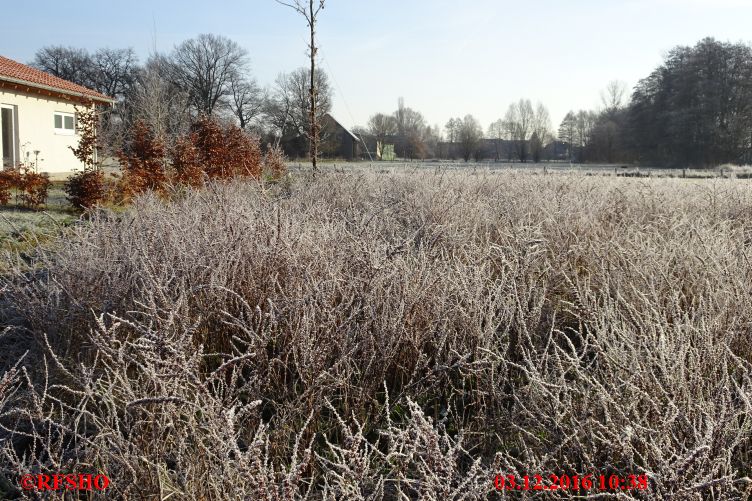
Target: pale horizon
[444, 61]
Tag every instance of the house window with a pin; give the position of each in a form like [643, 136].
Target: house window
[65, 123]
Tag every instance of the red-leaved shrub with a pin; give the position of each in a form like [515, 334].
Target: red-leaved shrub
[216, 150]
[186, 162]
[31, 188]
[85, 189]
[143, 162]
[9, 179]
[34, 187]
[242, 153]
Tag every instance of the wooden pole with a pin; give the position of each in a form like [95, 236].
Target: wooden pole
[314, 125]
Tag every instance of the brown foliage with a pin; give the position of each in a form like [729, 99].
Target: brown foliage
[242, 153]
[85, 189]
[9, 179]
[186, 162]
[143, 162]
[34, 187]
[219, 151]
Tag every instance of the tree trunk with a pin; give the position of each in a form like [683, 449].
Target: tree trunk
[314, 125]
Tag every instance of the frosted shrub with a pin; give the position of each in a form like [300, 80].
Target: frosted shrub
[364, 336]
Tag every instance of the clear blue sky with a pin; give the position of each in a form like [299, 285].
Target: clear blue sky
[446, 58]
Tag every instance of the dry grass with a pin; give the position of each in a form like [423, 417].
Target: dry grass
[365, 336]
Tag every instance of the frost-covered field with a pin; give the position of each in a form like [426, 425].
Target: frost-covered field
[407, 334]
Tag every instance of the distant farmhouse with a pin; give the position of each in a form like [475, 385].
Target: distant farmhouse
[37, 117]
[337, 141]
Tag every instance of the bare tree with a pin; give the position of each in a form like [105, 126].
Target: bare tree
[585, 121]
[470, 134]
[411, 128]
[109, 71]
[529, 128]
[541, 135]
[247, 99]
[310, 12]
[567, 132]
[203, 68]
[519, 119]
[157, 102]
[289, 108]
[452, 128]
[113, 71]
[613, 96]
[496, 132]
[68, 63]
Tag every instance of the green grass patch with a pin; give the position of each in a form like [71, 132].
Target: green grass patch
[22, 229]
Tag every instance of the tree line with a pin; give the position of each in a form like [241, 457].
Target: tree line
[695, 109]
[521, 135]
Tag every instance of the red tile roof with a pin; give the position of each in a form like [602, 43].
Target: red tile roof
[14, 72]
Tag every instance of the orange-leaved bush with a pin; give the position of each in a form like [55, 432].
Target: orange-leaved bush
[143, 162]
[34, 187]
[30, 187]
[186, 162]
[220, 151]
[9, 179]
[243, 153]
[85, 189]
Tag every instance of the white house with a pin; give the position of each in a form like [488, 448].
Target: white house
[37, 117]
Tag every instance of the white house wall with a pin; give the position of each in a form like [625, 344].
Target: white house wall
[35, 125]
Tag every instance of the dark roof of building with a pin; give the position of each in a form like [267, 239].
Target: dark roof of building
[342, 126]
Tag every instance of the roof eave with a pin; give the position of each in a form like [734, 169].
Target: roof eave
[101, 99]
